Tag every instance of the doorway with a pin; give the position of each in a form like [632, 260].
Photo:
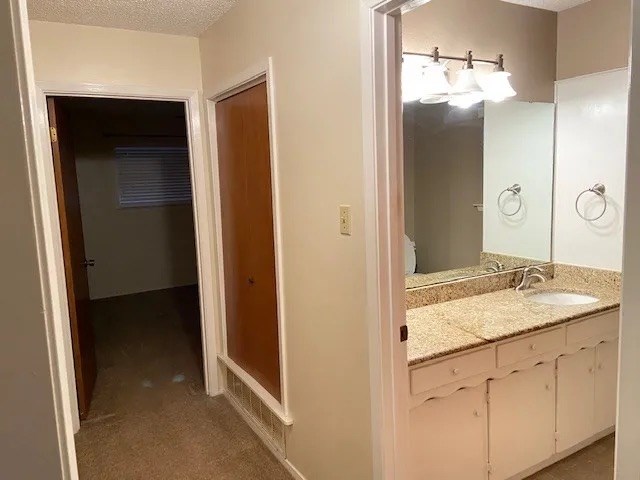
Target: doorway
[124, 201]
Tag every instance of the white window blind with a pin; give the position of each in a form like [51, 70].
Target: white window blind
[153, 176]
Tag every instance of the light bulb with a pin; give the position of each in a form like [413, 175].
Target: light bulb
[435, 84]
[466, 82]
[498, 87]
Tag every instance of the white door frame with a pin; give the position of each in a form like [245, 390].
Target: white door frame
[48, 206]
[384, 228]
[257, 73]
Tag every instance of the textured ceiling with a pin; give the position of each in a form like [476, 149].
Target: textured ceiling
[554, 5]
[180, 17]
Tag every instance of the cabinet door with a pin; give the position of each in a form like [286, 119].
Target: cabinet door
[449, 437]
[574, 421]
[521, 420]
[606, 385]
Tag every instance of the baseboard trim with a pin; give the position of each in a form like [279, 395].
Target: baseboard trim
[562, 455]
[295, 473]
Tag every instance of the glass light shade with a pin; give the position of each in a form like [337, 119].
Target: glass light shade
[434, 99]
[466, 100]
[436, 87]
[411, 78]
[466, 82]
[498, 87]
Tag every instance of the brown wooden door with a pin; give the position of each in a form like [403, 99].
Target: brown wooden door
[75, 268]
[248, 235]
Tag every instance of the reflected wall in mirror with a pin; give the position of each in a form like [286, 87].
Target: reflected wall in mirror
[478, 177]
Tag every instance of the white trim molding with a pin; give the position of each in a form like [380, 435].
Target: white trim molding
[258, 73]
[203, 220]
[384, 229]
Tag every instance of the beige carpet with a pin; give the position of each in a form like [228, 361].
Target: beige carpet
[592, 463]
[150, 418]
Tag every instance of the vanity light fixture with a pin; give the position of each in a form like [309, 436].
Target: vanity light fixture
[428, 80]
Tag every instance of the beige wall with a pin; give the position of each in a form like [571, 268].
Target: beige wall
[135, 249]
[448, 160]
[408, 139]
[526, 36]
[316, 58]
[77, 53]
[27, 413]
[593, 37]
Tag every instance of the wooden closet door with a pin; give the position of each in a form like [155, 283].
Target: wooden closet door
[248, 235]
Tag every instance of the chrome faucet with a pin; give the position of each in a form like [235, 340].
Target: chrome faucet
[494, 266]
[528, 277]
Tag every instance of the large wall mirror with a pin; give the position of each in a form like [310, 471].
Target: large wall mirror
[478, 169]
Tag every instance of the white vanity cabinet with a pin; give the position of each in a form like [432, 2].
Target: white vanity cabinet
[576, 399]
[449, 437]
[587, 388]
[506, 410]
[606, 385]
[521, 420]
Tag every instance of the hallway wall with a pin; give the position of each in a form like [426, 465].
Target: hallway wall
[31, 441]
[315, 49]
[80, 53]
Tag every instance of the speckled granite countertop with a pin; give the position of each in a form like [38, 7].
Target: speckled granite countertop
[444, 328]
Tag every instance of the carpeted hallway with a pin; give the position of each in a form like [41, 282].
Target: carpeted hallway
[150, 418]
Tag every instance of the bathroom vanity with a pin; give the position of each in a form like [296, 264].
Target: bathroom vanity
[503, 383]
[502, 386]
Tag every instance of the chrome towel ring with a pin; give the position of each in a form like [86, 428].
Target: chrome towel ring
[599, 190]
[515, 189]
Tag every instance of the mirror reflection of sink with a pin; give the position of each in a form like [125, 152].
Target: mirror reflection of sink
[562, 298]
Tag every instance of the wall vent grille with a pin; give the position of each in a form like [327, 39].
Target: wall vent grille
[256, 410]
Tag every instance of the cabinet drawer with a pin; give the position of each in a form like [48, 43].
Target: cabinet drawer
[593, 327]
[532, 346]
[451, 370]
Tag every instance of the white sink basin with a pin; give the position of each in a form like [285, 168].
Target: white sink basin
[562, 298]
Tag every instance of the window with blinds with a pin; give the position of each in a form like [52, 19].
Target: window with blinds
[153, 176]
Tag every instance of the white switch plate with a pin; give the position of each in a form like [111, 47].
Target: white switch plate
[345, 219]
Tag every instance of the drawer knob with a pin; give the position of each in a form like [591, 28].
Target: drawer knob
[476, 413]
[547, 386]
[455, 371]
[532, 346]
[591, 369]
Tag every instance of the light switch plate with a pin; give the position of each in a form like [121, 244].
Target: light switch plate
[345, 219]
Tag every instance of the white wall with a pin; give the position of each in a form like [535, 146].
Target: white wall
[590, 148]
[135, 249]
[518, 148]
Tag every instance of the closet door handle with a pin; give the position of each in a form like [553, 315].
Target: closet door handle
[251, 281]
